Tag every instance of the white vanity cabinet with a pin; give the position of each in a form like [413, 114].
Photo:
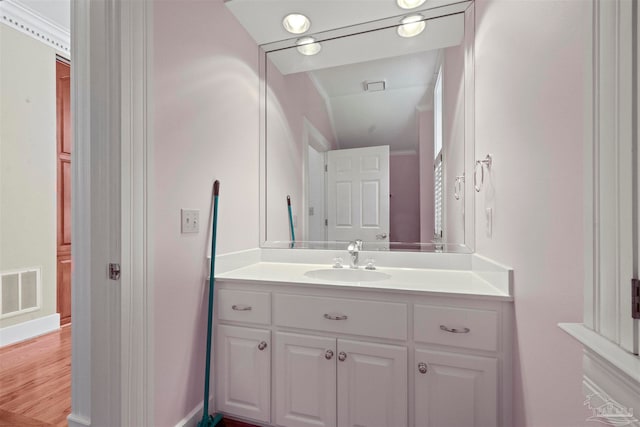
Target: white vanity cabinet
[328, 382]
[243, 371]
[305, 380]
[455, 390]
[360, 357]
[242, 354]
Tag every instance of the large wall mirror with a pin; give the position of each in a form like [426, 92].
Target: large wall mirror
[368, 134]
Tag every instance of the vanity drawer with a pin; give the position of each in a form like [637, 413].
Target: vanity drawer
[349, 316]
[458, 327]
[244, 306]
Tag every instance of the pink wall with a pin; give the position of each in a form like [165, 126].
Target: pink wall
[425, 132]
[529, 115]
[205, 89]
[290, 99]
[404, 207]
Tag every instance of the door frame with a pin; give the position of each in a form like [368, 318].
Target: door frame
[112, 357]
[311, 137]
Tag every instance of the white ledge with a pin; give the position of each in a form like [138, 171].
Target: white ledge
[626, 362]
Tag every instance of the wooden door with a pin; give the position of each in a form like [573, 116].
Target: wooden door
[455, 390]
[372, 385]
[243, 372]
[358, 194]
[63, 113]
[305, 378]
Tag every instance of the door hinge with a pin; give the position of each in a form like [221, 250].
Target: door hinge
[114, 271]
[326, 222]
[326, 168]
[635, 298]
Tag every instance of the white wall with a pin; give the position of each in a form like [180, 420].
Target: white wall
[28, 162]
[529, 115]
[206, 127]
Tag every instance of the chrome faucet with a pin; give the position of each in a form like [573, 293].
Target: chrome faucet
[354, 249]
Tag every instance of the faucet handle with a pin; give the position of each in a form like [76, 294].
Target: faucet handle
[337, 262]
[371, 264]
[359, 244]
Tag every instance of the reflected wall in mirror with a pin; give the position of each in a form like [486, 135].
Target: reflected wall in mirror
[370, 137]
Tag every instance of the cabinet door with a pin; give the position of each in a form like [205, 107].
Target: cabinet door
[456, 390]
[243, 372]
[305, 375]
[372, 385]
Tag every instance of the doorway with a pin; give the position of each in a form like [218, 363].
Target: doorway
[63, 159]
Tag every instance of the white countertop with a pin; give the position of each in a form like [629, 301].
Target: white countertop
[437, 282]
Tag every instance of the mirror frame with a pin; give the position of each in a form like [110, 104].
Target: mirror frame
[466, 7]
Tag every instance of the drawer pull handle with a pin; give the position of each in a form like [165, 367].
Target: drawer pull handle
[342, 356]
[335, 316]
[262, 345]
[241, 307]
[328, 354]
[422, 367]
[455, 330]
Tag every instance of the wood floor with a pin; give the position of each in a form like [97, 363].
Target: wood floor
[35, 381]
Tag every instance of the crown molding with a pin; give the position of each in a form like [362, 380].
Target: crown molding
[17, 16]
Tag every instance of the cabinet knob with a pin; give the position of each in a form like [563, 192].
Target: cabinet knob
[422, 367]
[328, 354]
[262, 345]
[342, 356]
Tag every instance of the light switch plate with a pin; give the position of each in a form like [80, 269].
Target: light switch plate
[190, 220]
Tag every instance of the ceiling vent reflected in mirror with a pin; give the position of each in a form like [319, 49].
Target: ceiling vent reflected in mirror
[378, 86]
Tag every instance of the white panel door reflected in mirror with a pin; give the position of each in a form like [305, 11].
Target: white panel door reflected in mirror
[358, 194]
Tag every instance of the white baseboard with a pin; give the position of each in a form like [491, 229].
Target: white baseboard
[78, 421]
[29, 329]
[192, 419]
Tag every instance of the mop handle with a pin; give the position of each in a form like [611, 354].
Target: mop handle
[216, 192]
[293, 234]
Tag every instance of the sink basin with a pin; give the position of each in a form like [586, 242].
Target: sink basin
[347, 275]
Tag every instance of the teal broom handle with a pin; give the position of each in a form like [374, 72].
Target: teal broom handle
[293, 234]
[205, 410]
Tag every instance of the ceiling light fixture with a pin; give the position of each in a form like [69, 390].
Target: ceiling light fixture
[411, 26]
[409, 4]
[296, 23]
[308, 46]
